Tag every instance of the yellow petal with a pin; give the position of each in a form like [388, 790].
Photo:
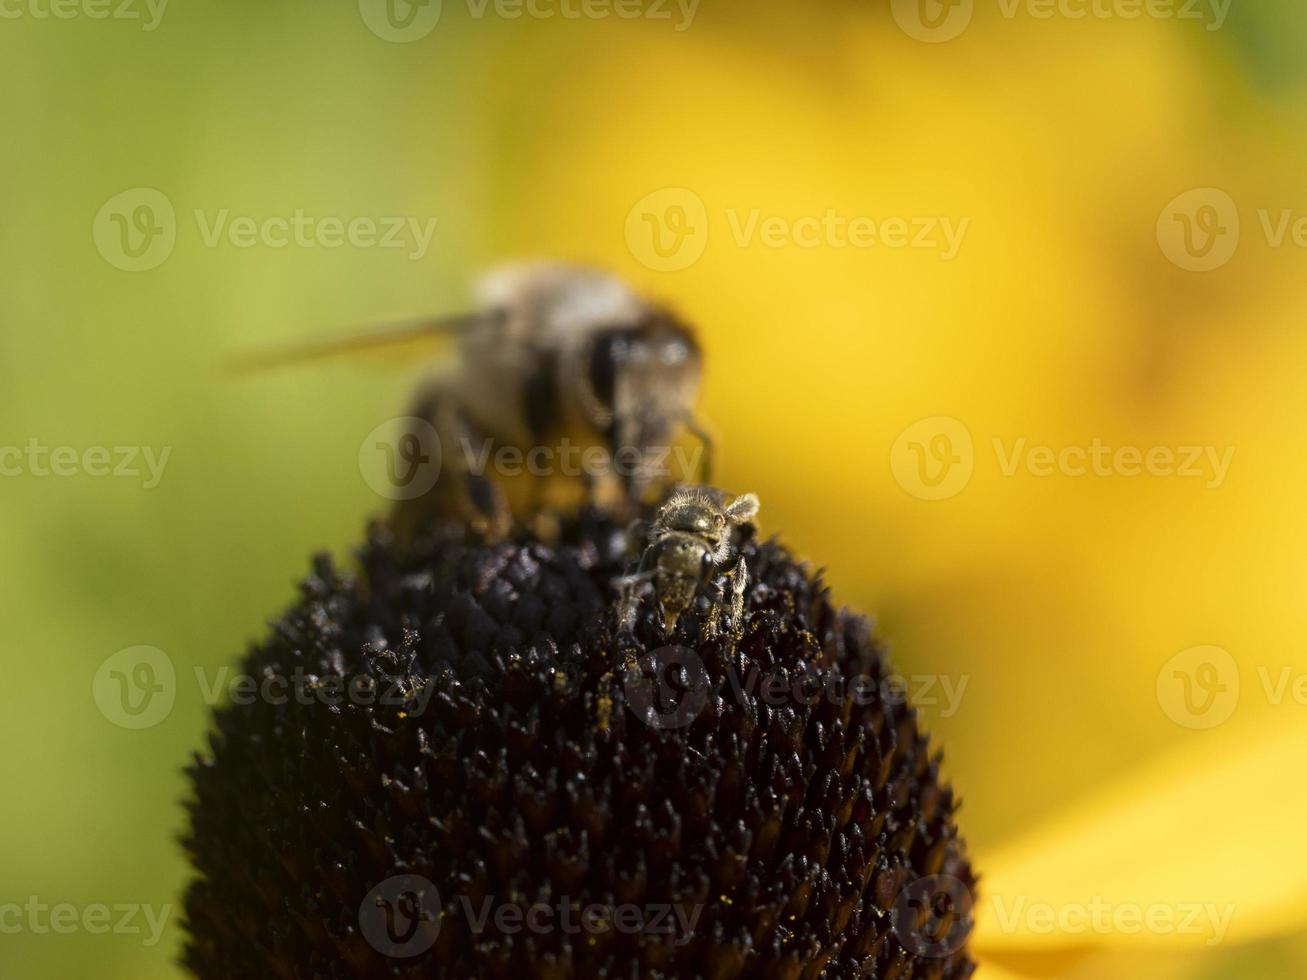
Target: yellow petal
[1090, 965]
[990, 970]
[1201, 847]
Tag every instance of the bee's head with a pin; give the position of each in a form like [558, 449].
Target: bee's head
[705, 513]
[694, 512]
[685, 556]
[644, 378]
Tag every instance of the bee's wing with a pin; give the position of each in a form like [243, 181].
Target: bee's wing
[407, 342]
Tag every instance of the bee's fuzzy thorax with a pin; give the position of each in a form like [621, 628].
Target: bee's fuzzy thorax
[519, 765]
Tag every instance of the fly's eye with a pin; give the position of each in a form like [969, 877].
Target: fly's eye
[609, 352]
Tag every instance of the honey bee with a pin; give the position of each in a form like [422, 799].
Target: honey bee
[554, 352]
[689, 541]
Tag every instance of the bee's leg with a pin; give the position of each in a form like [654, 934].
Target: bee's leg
[482, 496]
[621, 490]
[590, 481]
[738, 575]
[425, 471]
[465, 493]
[632, 588]
[712, 626]
[544, 522]
[637, 537]
[635, 586]
[695, 429]
[605, 491]
[739, 584]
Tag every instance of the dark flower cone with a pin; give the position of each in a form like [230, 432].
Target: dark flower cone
[759, 805]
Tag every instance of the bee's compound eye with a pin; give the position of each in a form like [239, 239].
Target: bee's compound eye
[675, 353]
[611, 349]
[706, 564]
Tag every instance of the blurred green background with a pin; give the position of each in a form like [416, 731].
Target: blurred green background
[1060, 320]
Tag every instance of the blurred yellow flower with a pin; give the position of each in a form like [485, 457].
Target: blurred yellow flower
[969, 251]
[1025, 286]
